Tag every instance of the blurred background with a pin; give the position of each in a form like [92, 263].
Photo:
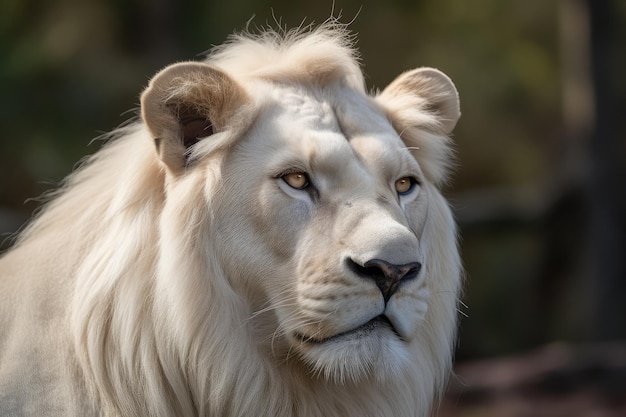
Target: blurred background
[539, 193]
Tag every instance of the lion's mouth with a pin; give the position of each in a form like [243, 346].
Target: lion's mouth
[359, 332]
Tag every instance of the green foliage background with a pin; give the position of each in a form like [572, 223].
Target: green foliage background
[73, 69]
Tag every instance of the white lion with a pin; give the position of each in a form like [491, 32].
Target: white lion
[268, 241]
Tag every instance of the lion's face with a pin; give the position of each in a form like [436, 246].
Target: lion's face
[332, 206]
[325, 217]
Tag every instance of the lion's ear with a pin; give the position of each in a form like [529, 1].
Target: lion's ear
[423, 105]
[185, 103]
[427, 91]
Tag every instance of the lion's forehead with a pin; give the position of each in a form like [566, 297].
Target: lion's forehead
[339, 109]
[308, 110]
[336, 123]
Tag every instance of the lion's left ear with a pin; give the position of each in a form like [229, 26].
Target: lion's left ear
[423, 106]
[185, 103]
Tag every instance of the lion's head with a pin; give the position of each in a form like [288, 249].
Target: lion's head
[322, 206]
[270, 240]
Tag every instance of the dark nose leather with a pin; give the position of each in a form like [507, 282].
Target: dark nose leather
[387, 276]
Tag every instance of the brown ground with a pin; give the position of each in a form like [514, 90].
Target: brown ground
[555, 381]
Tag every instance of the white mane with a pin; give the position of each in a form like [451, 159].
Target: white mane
[297, 55]
[156, 327]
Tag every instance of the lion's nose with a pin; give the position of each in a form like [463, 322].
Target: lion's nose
[387, 276]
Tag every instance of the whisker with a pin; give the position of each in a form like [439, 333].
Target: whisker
[283, 303]
[274, 302]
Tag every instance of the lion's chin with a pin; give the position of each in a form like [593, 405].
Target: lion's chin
[373, 350]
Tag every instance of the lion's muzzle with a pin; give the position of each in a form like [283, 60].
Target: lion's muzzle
[386, 275]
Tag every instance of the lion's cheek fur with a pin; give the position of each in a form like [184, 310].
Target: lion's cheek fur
[257, 234]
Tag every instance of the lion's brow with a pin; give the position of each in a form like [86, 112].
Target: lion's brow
[342, 127]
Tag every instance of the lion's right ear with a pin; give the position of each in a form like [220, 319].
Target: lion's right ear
[185, 103]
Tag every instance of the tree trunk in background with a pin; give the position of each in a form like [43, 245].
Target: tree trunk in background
[605, 190]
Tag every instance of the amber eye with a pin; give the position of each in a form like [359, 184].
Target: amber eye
[297, 180]
[405, 185]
